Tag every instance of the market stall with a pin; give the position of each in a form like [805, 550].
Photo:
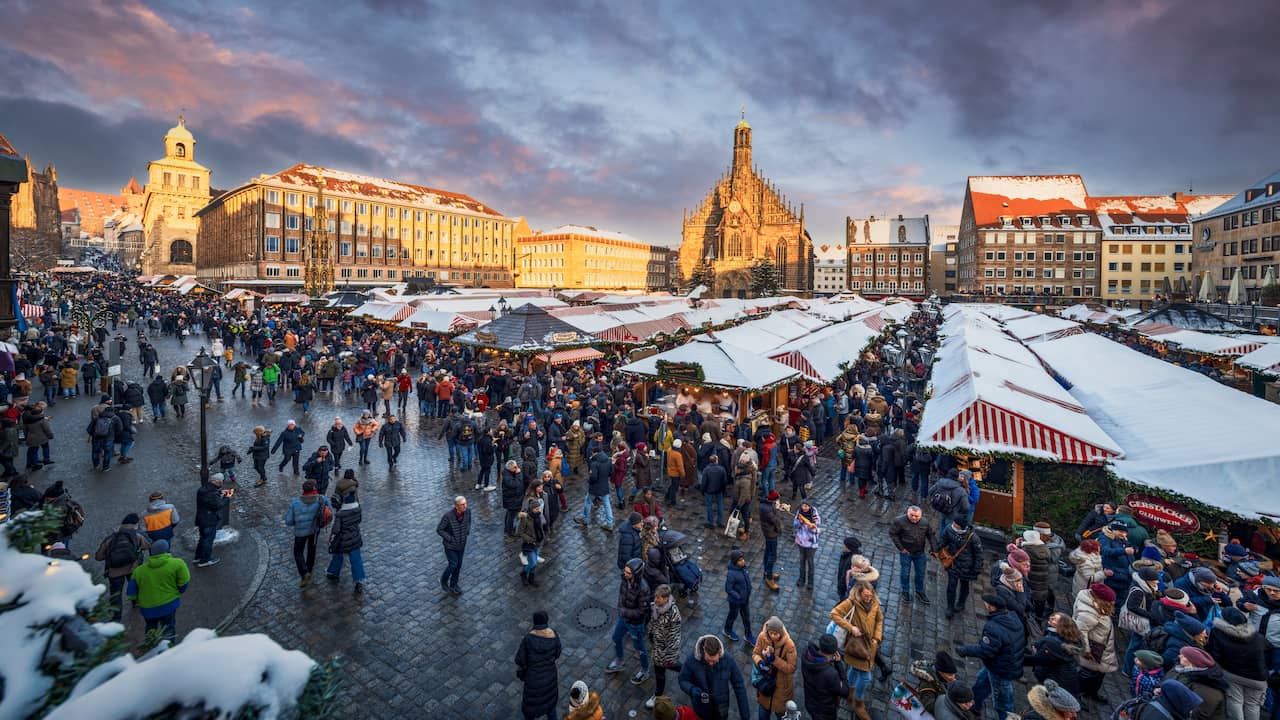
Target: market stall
[524, 333]
[822, 355]
[1263, 366]
[716, 376]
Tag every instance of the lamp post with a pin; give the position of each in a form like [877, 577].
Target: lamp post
[201, 373]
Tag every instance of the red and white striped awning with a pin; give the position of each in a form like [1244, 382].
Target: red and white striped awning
[562, 357]
[32, 311]
[875, 322]
[639, 332]
[795, 359]
[983, 425]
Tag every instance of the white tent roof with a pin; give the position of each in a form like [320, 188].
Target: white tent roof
[1156, 411]
[820, 354]
[990, 394]
[1034, 328]
[723, 365]
[438, 321]
[463, 303]
[385, 311]
[1197, 341]
[767, 333]
[1265, 359]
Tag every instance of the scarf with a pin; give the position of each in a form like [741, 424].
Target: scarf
[659, 609]
[811, 514]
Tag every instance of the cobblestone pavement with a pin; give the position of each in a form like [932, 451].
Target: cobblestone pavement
[408, 650]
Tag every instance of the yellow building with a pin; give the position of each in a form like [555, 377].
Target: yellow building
[1146, 239]
[582, 257]
[177, 187]
[380, 232]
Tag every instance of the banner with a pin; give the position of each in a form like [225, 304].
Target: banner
[1160, 514]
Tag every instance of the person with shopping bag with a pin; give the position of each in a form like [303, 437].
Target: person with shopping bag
[862, 621]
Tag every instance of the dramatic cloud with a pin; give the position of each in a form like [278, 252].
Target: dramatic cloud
[620, 115]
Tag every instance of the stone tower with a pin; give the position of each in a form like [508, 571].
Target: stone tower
[177, 188]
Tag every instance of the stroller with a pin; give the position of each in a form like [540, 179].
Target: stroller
[680, 566]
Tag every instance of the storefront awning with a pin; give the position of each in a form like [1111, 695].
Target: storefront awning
[564, 357]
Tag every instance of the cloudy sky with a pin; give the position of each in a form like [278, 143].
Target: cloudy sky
[620, 114]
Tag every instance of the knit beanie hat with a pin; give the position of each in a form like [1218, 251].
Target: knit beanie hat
[1197, 657]
[1010, 573]
[664, 708]
[1102, 592]
[852, 544]
[1235, 550]
[1148, 573]
[1149, 659]
[1232, 616]
[1188, 624]
[1180, 698]
[159, 547]
[1059, 698]
[943, 663]
[1203, 575]
[774, 623]
[827, 644]
[1164, 539]
[959, 693]
[578, 694]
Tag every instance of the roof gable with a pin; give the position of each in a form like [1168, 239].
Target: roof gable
[1013, 196]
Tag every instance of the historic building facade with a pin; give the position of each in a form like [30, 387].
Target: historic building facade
[743, 220]
[830, 269]
[379, 232]
[177, 188]
[1241, 234]
[661, 262]
[580, 257]
[36, 220]
[888, 256]
[1146, 240]
[942, 260]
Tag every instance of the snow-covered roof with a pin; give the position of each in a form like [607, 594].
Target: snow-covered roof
[339, 182]
[724, 366]
[889, 231]
[1196, 341]
[991, 394]
[584, 231]
[439, 321]
[384, 311]
[1156, 412]
[821, 354]
[1265, 359]
[830, 255]
[1037, 328]
[463, 303]
[767, 333]
[1258, 194]
[1033, 196]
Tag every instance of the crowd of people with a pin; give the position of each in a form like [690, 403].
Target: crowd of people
[582, 440]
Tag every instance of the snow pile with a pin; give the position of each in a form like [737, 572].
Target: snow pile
[226, 673]
[1033, 187]
[42, 591]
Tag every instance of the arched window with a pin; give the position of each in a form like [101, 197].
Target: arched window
[735, 245]
[180, 150]
[180, 252]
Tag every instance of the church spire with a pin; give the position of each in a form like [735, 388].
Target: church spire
[742, 146]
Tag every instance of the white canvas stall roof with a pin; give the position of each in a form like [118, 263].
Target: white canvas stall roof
[711, 316]
[820, 354]
[723, 365]
[991, 394]
[1037, 328]
[1156, 412]
[1265, 359]
[456, 303]
[841, 311]
[767, 333]
[1196, 341]
[899, 311]
[384, 311]
[438, 321]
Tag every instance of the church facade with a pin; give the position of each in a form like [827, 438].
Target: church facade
[177, 188]
[743, 220]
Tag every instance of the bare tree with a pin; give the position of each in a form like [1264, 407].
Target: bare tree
[32, 250]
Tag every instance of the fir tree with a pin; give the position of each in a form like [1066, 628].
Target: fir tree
[764, 279]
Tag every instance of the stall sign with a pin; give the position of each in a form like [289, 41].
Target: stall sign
[641, 353]
[1162, 514]
[561, 338]
[486, 337]
[682, 372]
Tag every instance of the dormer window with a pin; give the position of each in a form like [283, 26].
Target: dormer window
[1083, 220]
[1064, 220]
[1005, 220]
[1044, 221]
[1026, 221]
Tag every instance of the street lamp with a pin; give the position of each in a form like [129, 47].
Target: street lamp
[201, 373]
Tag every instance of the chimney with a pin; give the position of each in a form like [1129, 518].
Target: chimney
[899, 217]
[1177, 196]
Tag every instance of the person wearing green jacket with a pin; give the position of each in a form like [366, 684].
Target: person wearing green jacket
[1137, 534]
[270, 378]
[156, 588]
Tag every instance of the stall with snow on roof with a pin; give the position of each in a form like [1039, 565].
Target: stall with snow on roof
[528, 332]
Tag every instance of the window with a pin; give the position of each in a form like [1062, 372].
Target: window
[346, 227]
[361, 208]
[1017, 256]
[362, 272]
[919, 272]
[291, 198]
[362, 250]
[376, 251]
[329, 204]
[362, 229]
[991, 255]
[1031, 256]
[418, 216]
[1144, 267]
[377, 273]
[271, 220]
[1046, 273]
[273, 197]
[271, 244]
[309, 222]
[1126, 267]
[311, 202]
[291, 222]
[344, 272]
[391, 253]
[346, 206]
[291, 245]
[273, 271]
[344, 249]
[1000, 255]
[391, 232]
[1158, 267]
[919, 257]
[1179, 267]
[168, 179]
[292, 272]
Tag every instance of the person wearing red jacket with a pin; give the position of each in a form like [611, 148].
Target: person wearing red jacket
[664, 708]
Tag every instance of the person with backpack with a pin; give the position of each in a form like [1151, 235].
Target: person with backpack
[208, 516]
[102, 434]
[1000, 650]
[950, 499]
[160, 518]
[307, 514]
[465, 442]
[345, 541]
[156, 589]
[120, 552]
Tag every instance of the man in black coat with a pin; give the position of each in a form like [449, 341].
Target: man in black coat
[208, 515]
[391, 436]
[513, 487]
[824, 678]
[319, 467]
[290, 441]
[1001, 649]
[958, 541]
[453, 529]
[629, 540]
[601, 467]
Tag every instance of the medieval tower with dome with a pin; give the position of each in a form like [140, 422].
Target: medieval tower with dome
[177, 187]
[743, 220]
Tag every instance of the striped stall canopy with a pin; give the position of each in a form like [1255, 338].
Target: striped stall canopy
[985, 425]
[875, 322]
[640, 332]
[32, 311]
[572, 355]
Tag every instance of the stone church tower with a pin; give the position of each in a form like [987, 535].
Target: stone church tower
[743, 220]
[36, 218]
[177, 187]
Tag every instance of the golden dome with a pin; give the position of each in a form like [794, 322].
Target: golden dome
[180, 131]
[744, 124]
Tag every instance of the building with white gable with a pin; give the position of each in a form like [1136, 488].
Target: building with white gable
[888, 256]
[830, 269]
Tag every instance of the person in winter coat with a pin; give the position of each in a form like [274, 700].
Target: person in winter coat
[391, 437]
[259, 451]
[744, 493]
[531, 531]
[598, 487]
[38, 432]
[303, 516]
[121, 552]
[663, 635]
[1202, 676]
[824, 679]
[641, 470]
[675, 471]
[846, 447]
[712, 680]
[956, 704]
[1000, 650]
[629, 539]
[930, 679]
[912, 537]
[487, 453]
[1051, 701]
[1117, 555]
[1137, 535]
[774, 649]
[1088, 561]
[1182, 631]
[584, 704]
[319, 467]
[864, 460]
[529, 464]
[536, 667]
[951, 499]
[156, 588]
[1056, 656]
[1241, 652]
[161, 518]
[771, 529]
[1176, 702]
[1141, 608]
[1092, 612]
[807, 526]
[513, 488]
[178, 397]
[852, 546]
[338, 439]
[861, 617]
[575, 440]
[157, 392]
[208, 516]
[958, 541]
[633, 611]
[737, 590]
[1040, 575]
[454, 528]
[345, 541]
[289, 441]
